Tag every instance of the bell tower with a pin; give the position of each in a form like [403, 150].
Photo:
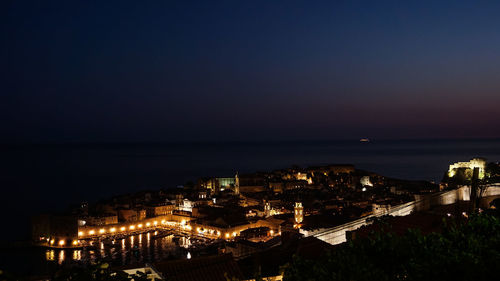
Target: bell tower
[267, 208]
[237, 184]
[298, 213]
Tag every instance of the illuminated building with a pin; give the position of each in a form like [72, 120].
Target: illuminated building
[215, 185]
[160, 210]
[236, 184]
[468, 167]
[298, 213]
[130, 215]
[186, 205]
[267, 209]
[365, 181]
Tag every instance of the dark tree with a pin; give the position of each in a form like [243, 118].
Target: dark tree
[466, 251]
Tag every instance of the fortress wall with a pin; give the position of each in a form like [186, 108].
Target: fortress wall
[492, 190]
[337, 235]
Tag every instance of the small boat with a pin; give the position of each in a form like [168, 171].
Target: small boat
[364, 140]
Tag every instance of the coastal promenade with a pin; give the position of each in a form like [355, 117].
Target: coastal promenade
[181, 225]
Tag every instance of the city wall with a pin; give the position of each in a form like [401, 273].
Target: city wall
[337, 235]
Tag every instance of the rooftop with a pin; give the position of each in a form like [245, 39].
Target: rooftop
[213, 268]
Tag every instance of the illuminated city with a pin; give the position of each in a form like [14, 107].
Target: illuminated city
[249, 140]
[251, 213]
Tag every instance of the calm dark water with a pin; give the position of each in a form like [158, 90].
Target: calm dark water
[39, 178]
[136, 249]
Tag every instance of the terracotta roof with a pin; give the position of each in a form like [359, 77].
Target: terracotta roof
[268, 262]
[213, 268]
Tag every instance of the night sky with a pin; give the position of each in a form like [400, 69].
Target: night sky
[248, 70]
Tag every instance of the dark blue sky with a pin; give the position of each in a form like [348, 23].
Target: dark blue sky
[248, 70]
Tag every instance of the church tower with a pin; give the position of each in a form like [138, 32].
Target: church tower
[299, 213]
[237, 184]
[267, 208]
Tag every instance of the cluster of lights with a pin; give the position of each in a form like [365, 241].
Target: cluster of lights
[50, 255]
[62, 242]
[183, 224]
[207, 231]
[123, 228]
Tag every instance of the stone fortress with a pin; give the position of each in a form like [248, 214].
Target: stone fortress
[468, 167]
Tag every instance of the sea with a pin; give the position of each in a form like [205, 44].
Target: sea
[40, 178]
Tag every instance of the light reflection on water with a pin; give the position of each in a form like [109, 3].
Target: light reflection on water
[77, 255]
[49, 255]
[131, 250]
[61, 257]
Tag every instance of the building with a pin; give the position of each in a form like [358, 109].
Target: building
[237, 184]
[468, 167]
[186, 205]
[295, 184]
[216, 185]
[267, 209]
[130, 215]
[277, 187]
[162, 209]
[298, 213]
[380, 209]
[365, 181]
[104, 219]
